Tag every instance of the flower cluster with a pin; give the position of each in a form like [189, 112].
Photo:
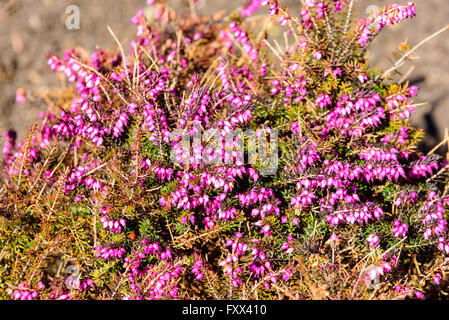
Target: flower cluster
[8, 147]
[373, 240]
[399, 229]
[251, 8]
[395, 13]
[110, 252]
[143, 170]
[149, 282]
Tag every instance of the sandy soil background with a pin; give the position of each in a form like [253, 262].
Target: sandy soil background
[31, 28]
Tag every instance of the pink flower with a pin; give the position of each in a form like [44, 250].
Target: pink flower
[399, 229]
[419, 294]
[317, 55]
[251, 8]
[362, 77]
[437, 278]
[373, 240]
[334, 237]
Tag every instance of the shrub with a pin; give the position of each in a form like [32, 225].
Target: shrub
[106, 198]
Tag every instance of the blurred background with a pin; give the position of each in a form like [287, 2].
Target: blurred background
[29, 29]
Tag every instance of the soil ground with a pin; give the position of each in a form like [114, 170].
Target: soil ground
[31, 28]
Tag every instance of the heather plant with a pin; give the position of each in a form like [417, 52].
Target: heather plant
[141, 180]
